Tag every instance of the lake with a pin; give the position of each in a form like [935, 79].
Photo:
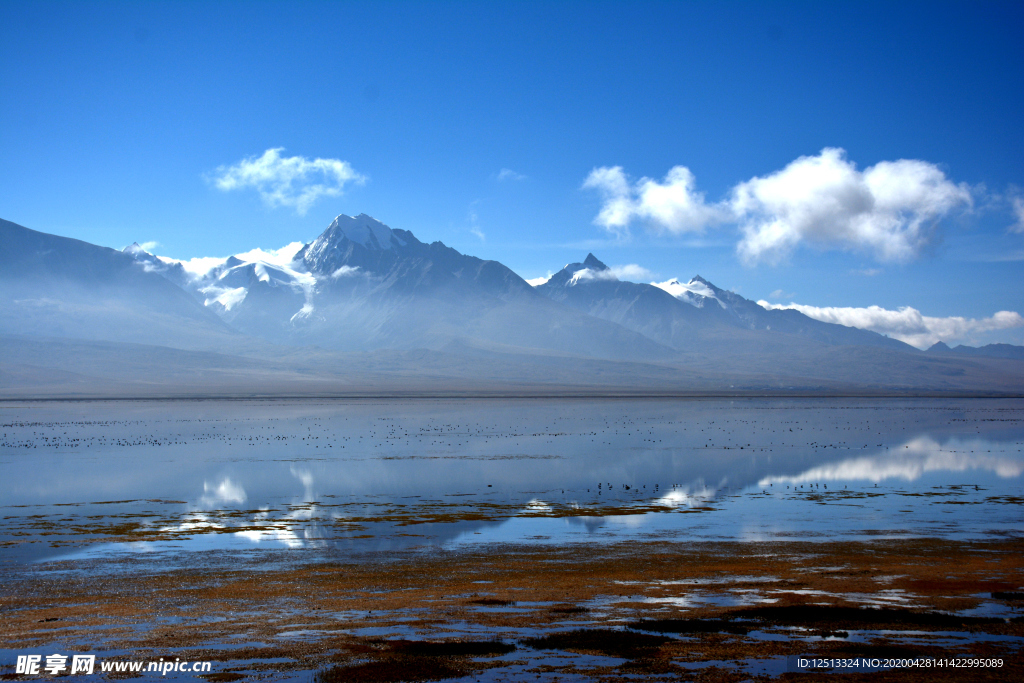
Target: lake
[93, 489]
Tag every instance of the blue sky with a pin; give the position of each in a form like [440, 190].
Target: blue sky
[118, 119]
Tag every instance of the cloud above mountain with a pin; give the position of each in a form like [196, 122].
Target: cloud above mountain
[907, 324]
[888, 210]
[672, 205]
[295, 182]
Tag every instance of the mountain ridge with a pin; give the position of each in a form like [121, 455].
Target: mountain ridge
[362, 287]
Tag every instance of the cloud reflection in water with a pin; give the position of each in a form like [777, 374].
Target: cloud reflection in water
[910, 461]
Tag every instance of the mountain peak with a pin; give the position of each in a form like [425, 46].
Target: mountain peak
[939, 347]
[364, 230]
[592, 263]
[134, 248]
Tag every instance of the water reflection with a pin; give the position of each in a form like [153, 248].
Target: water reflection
[352, 477]
[697, 497]
[913, 459]
[224, 493]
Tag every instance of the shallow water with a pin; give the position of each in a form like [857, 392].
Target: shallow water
[346, 477]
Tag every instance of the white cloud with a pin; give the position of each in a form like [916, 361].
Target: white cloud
[196, 267]
[584, 274]
[297, 182]
[1017, 204]
[630, 271]
[226, 296]
[509, 174]
[304, 312]
[345, 271]
[869, 272]
[617, 211]
[275, 257]
[887, 210]
[474, 220]
[672, 205]
[781, 294]
[907, 324]
[538, 281]
[150, 246]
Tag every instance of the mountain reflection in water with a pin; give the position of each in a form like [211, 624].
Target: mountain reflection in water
[352, 476]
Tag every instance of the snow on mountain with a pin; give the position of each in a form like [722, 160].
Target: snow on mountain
[223, 283]
[362, 230]
[372, 288]
[366, 231]
[696, 292]
[681, 312]
[595, 289]
[362, 272]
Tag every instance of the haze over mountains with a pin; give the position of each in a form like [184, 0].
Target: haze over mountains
[366, 308]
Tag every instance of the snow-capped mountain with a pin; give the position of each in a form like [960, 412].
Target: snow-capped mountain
[697, 292]
[266, 285]
[361, 285]
[421, 312]
[359, 270]
[591, 287]
[683, 315]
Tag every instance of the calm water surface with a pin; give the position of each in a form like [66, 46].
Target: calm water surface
[345, 477]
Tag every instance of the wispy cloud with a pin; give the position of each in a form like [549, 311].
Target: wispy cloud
[1017, 206]
[508, 174]
[150, 246]
[888, 210]
[781, 294]
[630, 271]
[907, 324]
[295, 182]
[474, 221]
[346, 271]
[1017, 255]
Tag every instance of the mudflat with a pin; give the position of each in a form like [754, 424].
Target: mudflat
[672, 611]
